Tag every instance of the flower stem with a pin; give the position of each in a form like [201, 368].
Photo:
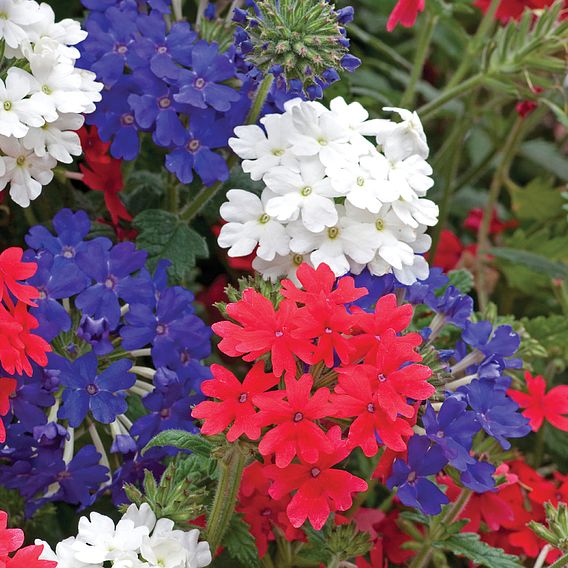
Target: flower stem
[428, 110]
[203, 197]
[562, 562]
[542, 556]
[230, 475]
[424, 40]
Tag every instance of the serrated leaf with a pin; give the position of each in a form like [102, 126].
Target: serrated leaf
[164, 236]
[538, 201]
[479, 552]
[416, 517]
[240, 543]
[551, 332]
[462, 279]
[182, 440]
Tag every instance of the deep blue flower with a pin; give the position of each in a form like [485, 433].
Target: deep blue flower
[424, 291]
[96, 332]
[202, 137]
[455, 306]
[202, 86]
[496, 413]
[501, 341]
[123, 444]
[377, 286]
[111, 270]
[479, 477]
[452, 429]
[414, 489]
[103, 394]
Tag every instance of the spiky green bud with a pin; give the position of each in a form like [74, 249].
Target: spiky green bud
[555, 531]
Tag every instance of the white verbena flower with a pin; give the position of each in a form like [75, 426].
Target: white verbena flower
[404, 138]
[15, 17]
[281, 266]
[250, 225]
[64, 554]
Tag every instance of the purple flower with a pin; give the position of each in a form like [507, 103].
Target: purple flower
[111, 270]
[501, 341]
[455, 306]
[452, 429]
[96, 332]
[86, 390]
[202, 86]
[496, 413]
[479, 477]
[414, 488]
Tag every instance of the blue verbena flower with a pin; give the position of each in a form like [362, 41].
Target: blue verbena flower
[496, 412]
[414, 489]
[85, 389]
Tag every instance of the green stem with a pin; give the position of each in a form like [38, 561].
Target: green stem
[538, 453]
[424, 40]
[562, 562]
[203, 197]
[172, 195]
[476, 43]
[30, 215]
[428, 110]
[381, 47]
[230, 474]
[507, 155]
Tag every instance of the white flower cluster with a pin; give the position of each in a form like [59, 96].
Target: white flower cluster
[332, 196]
[137, 541]
[42, 96]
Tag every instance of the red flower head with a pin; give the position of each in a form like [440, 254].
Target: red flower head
[513, 9]
[319, 285]
[496, 226]
[17, 343]
[296, 432]
[449, 251]
[13, 269]
[320, 488]
[405, 13]
[7, 388]
[236, 404]
[540, 405]
[10, 541]
[263, 330]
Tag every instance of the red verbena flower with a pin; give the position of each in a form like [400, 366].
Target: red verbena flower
[13, 269]
[513, 9]
[320, 284]
[540, 405]
[320, 489]
[263, 329]
[7, 388]
[449, 251]
[236, 406]
[405, 13]
[17, 343]
[496, 226]
[296, 432]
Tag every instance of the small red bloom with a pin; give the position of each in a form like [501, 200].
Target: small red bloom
[319, 285]
[405, 13]
[449, 251]
[263, 330]
[296, 432]
[496, 226]
[320, 488]
[17, 343]
[513, 9]
[10, 539]
[236, 404]
[13, 269]
[7, 388]
[540, 405]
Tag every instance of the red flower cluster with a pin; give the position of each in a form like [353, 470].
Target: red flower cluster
[405, 13]
[11, 540]
[101, 172]
[540, 405]
[513, 9]
[501, 517]
[331, 363]
[17, 342]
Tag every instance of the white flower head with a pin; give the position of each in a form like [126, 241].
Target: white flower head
[405, 138]
[64, 554]
[249, 225]
[15, 18]
[281, 266]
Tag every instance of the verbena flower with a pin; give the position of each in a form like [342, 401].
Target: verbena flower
[312, 159]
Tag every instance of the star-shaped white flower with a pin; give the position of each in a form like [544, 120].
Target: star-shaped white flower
[15, 17]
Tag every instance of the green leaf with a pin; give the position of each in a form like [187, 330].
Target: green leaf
[416, 517]
[240, 543]
[182, 440]
[546, 155]
[551, 332]
[532, 261]
[480, 553]
[462, 279]
[164, 236]
[538, 201]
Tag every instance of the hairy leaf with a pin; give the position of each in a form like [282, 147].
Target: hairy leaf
[240, 543]
[182, 440]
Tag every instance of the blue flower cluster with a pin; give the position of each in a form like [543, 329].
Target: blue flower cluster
[164, 80]
[107, 319]
[473, 399]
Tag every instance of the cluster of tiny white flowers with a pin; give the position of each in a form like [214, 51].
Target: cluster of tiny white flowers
[42, 96]
[137, 541]
[331, 195]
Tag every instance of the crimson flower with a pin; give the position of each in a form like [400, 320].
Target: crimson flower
[11, 540]
[496, 226]
[449, 251]
[321, 489]
[319, 284]
[359, 397]
[7, 388]
[540, 405]
[17, 343]
[13, 269]
[261, 330]
[405, 13]
[296, 432]
[513, 9]
[236, 404]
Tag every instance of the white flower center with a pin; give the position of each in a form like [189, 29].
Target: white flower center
[333, 232]
[46, 89]
[7, 105]
[306, 191]
[20, 161]
[277, 152]
[263, 219]
[360, 181]
[380, 225]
